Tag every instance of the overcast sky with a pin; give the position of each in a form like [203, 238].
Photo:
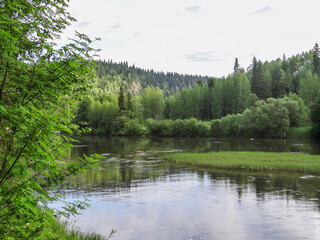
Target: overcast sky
[197, 36]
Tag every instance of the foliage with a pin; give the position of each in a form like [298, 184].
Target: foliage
[39, 87]
[266, 119]
[299, 132]
[315, 117]
[122, 101]
[215, 130]
[133, 128]
[302, 118]
[63, 231]
[111, 75]
[152, 100]
[258, 81]
[212, 98]
[180, 128]
[229, 125]
[309, 85]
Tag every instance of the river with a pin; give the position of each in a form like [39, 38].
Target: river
[142, 196]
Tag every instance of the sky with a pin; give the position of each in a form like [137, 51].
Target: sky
[200, 37]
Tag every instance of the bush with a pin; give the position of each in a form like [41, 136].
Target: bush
[203, 129]
[119, 124]
[266, 119]
[229, 124]
[299, 132]
[215, 130]
[178, 128]
[191, 127]
[133, 128]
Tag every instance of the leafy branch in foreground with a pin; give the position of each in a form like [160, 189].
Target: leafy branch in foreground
[40, 85]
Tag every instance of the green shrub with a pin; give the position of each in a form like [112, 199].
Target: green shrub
[178, 128]
[133, 128]
[299, 132]
[215, 130]
[229, 124]
[203, 129]
[191, 127]
[119, 124]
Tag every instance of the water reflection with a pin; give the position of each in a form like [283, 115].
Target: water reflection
[143, 197]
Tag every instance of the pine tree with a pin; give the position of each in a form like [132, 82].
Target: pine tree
[236, 67]
[316, 53]
[278, 87]
[259, 84]
[210, 83]
[130, 110]
[122, 101]
[254, 80]
[199, 82]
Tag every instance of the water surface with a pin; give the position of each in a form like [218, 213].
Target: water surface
[135, 191]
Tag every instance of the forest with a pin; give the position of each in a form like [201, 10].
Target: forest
[268, 99]
[50, 93]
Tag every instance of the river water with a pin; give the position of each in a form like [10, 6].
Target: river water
[142, 196]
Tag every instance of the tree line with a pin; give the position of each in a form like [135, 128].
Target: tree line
[111, 76]
[269, 90]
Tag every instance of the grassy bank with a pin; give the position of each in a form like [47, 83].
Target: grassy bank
[63, 231]
[299, 132]
[251, 161]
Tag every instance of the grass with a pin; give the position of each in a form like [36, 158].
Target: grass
[251, 161]
[63, 231]
[299, 132]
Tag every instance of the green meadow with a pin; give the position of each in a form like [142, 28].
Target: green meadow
[251, 161]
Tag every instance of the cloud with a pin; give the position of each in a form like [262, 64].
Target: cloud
[192, 8]
[203, 57]
[262, 10]
[83, 24]
[116, 26]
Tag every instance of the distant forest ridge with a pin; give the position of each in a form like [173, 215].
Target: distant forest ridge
[112, 75]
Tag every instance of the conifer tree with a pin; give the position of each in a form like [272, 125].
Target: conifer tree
[236, 67]
[199, 83]
[254, 79]
[210, 83]
[259, 84]
[316, 62]
[130, 110]
[122, 101]
[279, 83]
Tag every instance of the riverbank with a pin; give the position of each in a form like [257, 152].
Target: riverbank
[63, 231]
[251, 161]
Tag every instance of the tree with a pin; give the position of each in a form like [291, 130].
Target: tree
[254, 79]
[122, 101]
[316, 62]
[236, 67]
[279, 83]
[129, 103]
[199, 82]
[211, 82]
[258, 82]
[153, 103]
[309, 86]
[40, 85]
[315, 117]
